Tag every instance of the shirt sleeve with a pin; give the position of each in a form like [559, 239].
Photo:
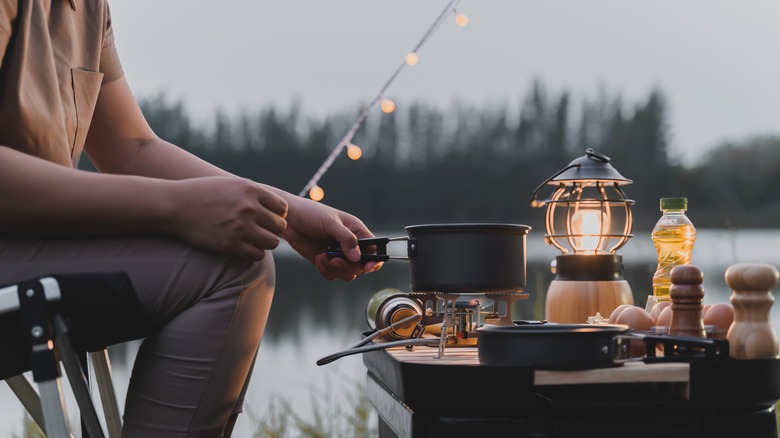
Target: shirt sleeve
[109, 58]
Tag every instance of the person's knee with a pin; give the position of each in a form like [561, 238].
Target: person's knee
[261, 275]
[256, 278]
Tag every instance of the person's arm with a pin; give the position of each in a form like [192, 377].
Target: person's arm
[42, 198]
[227, 214]
[120, 141]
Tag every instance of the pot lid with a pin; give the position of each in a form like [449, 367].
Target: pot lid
[470, 227]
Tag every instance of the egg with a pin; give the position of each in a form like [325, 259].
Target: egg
[665, 317]
[657, 310]
[613, 316]
[720, 315]
[635, 317]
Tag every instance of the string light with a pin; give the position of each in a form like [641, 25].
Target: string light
[354, 152]
[316, 193]
[461, 19]
[388, 106]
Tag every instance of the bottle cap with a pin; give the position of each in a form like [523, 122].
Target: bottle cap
[674, 203]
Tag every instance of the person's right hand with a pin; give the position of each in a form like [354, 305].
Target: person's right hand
[228, 214]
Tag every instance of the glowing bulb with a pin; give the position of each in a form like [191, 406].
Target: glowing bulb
[412, 58]
[316, 193]
[588, 227]
[388, 106]
[354, 152]
[461, 19]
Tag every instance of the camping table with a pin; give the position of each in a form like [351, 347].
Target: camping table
[418, 395]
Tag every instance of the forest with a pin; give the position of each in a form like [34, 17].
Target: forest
[427, 164]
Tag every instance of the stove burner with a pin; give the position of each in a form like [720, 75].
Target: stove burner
[460, 315]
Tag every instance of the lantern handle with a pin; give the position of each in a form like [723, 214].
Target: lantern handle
[598, 156]
[539, 204]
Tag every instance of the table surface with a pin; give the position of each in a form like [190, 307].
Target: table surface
[629, 372]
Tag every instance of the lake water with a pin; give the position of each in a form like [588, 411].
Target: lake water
[312, 317]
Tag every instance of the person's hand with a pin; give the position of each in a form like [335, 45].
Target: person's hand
[311, 225]
[228, 214]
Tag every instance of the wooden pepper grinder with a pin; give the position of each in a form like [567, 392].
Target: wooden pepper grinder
[751, 335]
[687, 295]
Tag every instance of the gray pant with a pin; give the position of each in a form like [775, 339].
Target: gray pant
[208, 311]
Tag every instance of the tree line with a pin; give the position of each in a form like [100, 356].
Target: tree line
[425, 164]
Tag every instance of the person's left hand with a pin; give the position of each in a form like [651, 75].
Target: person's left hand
[311, 225]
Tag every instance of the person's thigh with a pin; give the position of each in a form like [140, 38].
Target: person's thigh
[168, 275]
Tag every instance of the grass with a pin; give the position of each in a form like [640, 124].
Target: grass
[281, 421]
[30, 429]
[330, 418]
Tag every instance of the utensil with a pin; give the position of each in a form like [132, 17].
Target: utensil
[361, 347]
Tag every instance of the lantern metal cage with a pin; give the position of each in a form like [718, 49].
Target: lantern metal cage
[588, 212]
[588, 223]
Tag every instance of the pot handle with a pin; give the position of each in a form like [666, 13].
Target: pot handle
[381, 255]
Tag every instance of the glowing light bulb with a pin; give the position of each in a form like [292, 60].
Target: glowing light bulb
[412, 58]
[588, 227]
[316, 193]
[461, 19]
[388, 106]
[354, 152]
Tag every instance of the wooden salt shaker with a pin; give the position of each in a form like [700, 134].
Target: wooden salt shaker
[687, 294]
[751, 335]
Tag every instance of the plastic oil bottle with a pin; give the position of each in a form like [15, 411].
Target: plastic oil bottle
[673, 236]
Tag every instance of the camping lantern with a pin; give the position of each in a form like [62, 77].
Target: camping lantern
[588, 218]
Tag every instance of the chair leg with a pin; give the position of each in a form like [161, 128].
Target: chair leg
[102, 368]
[53, 408]
[78, 381]
[45, 365]
[28, 395]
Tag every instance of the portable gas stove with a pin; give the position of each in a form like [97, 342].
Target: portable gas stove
[460, 315]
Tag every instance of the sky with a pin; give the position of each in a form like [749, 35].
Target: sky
[717, 61]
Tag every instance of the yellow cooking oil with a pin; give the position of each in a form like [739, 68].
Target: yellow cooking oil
[673, 236]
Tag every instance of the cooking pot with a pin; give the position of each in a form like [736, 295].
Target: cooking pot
[457, 258]
[582, 346]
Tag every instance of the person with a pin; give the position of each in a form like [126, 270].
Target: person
[194, 239]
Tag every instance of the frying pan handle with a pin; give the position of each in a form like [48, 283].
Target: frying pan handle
[685, 349]
[334, 249]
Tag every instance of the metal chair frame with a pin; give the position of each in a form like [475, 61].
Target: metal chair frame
[47, 333]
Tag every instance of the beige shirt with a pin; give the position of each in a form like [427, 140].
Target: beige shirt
[54, 56]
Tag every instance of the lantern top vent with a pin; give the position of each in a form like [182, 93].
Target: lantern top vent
[593, 166]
